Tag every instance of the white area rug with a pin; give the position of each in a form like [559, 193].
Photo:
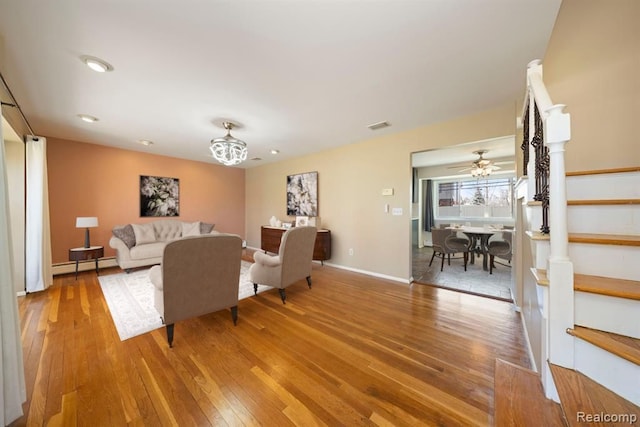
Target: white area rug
[130, 300]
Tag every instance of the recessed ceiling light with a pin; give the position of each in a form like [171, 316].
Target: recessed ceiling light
[379, 125]
[145, 142]
[87, 118]
[96, 64]
[255, 158]
[274, 151]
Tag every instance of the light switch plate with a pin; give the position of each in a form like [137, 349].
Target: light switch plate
[396, 211]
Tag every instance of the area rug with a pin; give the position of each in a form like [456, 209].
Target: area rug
[130, 300]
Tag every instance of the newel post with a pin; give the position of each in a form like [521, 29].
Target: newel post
[557, 132]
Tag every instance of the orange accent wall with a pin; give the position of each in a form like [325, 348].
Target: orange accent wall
[94, 180]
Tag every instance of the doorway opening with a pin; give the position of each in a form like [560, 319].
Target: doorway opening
[451, 192]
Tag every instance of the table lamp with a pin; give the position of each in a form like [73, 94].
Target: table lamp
[86, 222]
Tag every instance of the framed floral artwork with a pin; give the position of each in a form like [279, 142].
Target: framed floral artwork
[159, 196]
[302, 194]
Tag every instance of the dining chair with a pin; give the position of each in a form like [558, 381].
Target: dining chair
[501, 249]
[445, 243]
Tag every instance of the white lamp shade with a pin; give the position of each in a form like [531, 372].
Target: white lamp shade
[86, 221]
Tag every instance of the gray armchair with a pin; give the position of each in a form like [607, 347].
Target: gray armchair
[198, 275]
[292, 263]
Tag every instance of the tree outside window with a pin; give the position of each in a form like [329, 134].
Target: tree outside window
[476, 198]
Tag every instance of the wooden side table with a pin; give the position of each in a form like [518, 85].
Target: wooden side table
[85, 254]
[270, 238]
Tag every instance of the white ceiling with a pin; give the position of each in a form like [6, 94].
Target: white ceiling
[497, 149]
[299, 76]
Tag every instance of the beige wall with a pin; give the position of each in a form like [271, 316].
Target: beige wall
[93, 180]
[15, 151]
[592, 65]
[351, 179]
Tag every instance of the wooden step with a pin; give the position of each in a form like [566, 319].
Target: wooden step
[537, 235]
[605, 239]
[621, 288]
[625, 347]
[520, 399]
[604, 171]
[609, 286]
[540, 276]
[600, 239]
[582, 397]
[603, 202]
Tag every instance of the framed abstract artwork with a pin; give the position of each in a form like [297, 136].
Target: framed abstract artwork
[302, 194]
[159, 196]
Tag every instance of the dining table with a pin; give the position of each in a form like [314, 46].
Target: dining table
[479, 240]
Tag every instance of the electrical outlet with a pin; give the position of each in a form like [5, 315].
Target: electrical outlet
[351, 251]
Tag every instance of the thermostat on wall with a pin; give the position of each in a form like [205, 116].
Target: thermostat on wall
[387, 191]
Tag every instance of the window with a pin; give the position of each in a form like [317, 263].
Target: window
[481, 198]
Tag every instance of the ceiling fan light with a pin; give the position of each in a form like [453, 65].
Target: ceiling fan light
[228, 150]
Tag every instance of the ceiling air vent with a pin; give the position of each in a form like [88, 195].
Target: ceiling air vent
[379, 125]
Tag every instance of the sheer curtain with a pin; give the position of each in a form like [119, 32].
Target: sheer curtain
[38, 241]
[13, 391]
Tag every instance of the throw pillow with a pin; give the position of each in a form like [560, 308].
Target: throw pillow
[190, 229]
[144, 233]
[126, 234]
[206, 228]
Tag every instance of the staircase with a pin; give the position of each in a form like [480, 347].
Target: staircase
[580, 288]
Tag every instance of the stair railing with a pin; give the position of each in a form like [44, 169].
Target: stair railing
[547, 130]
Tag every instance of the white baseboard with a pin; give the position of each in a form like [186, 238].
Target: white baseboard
[369, 273]
[70, 267]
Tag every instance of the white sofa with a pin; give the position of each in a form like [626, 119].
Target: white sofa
[139, 245]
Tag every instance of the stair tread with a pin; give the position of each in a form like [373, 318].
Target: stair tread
[520, 399]
[605, 239]
[610, 286]
[626, 347]
[603, 202]
[580, 394]
[604, 171]
[537, 235]
[541, 276]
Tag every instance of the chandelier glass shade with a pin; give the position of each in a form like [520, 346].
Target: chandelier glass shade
[228, 150]
[479, 171]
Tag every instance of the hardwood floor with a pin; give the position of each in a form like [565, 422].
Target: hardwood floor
[354, 350]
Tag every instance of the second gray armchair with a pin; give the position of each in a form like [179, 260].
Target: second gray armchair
[292, 263]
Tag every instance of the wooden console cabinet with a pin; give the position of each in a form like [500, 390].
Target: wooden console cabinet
[270, 242]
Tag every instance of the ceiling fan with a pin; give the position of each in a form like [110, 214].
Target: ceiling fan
[481, 166]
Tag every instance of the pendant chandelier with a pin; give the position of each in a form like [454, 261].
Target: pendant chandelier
[228, 150]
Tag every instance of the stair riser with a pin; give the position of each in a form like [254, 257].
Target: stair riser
[605, 219]
[621, 262]
[609, 370]
[605, 186]
[610, 314]
[540, 251]
[534, 217]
